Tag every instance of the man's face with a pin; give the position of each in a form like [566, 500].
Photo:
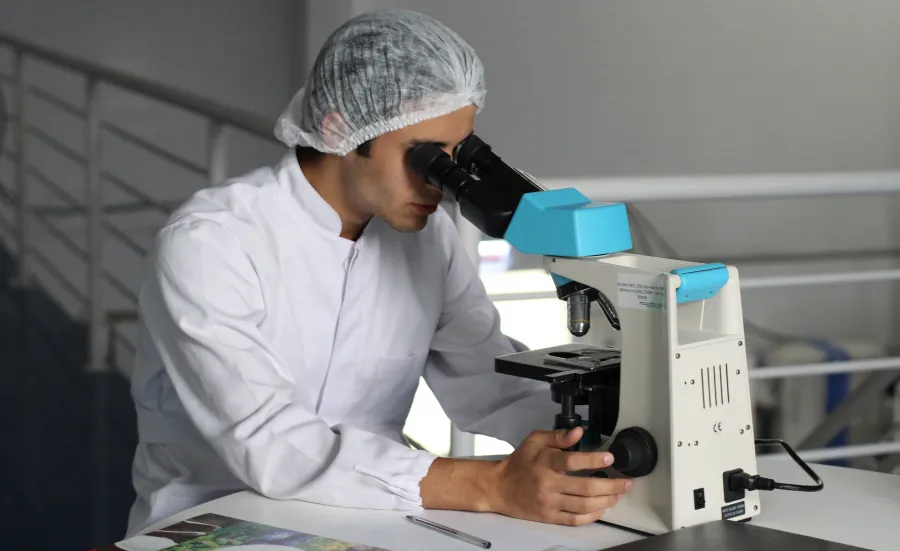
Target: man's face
[384, 185]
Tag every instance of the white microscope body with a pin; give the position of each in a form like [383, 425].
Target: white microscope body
[684, 379]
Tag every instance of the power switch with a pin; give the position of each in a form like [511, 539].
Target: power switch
[699, 499]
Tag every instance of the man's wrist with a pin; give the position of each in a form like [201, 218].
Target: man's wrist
[490, 486]
[462, 484]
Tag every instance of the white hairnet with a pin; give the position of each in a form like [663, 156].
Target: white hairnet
[377, 73]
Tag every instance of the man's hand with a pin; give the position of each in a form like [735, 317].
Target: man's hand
[530, 484]
[533, 484]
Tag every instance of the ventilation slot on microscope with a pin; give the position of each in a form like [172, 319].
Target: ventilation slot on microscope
[715, 386]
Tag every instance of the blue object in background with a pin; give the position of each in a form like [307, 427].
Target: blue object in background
[838, 386]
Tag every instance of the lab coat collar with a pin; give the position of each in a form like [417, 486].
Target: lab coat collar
[323, 214]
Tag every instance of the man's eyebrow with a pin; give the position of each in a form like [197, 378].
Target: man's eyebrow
[419, 141]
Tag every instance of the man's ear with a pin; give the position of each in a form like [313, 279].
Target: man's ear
[334, 130]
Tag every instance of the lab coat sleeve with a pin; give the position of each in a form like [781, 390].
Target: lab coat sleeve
[202, 307]
[460, 368]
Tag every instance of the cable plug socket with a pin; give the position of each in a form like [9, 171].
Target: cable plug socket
[744, 481]
[732, 493]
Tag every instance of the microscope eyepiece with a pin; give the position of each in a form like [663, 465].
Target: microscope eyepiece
[471, 152]
[430, 163]
[487, 199]
[478, 159]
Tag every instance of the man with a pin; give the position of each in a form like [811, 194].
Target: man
[288, 314]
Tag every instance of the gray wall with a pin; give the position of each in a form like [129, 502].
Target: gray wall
[588, 88]
[231, 51]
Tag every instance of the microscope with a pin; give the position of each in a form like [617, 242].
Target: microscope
[672, 402]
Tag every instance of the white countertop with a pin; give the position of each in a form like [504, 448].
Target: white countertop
[856, 507]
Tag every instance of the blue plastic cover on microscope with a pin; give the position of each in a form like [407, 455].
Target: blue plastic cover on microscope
[563, 222]
[700, 282]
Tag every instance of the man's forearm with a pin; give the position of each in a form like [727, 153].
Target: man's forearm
[459, 484]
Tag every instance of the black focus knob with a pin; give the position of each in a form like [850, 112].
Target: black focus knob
[634, 451]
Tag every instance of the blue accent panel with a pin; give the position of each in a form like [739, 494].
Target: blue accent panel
[700, 282]
[563, 222]
[837, 387]
[559, 280]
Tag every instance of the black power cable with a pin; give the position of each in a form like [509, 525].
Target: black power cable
[746, 481]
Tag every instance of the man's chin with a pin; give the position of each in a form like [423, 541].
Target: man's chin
[408, 224]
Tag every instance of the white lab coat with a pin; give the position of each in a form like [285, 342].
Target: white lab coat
[276, 356]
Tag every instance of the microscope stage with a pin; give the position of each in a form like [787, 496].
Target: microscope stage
[559, 363]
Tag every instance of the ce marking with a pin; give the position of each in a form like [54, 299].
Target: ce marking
[717, 427]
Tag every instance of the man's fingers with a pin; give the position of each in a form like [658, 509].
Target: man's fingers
[591, 486]
[586, 505]
[559, 439]
[579, 461]
[576, 519]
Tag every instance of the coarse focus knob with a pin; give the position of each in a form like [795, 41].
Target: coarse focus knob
[634, 451]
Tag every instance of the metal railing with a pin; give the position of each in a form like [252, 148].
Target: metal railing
[105, 337]
[102, 325]
[734, 187]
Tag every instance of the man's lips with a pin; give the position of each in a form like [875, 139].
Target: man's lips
[424, 209]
